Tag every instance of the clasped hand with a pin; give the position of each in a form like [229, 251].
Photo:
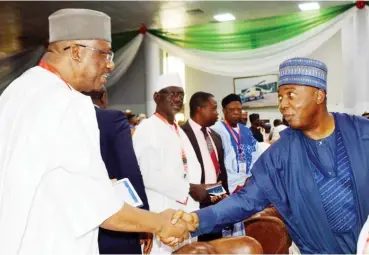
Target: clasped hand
[176, 226]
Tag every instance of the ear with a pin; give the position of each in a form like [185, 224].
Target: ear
[156, 97]
[320, 96]
[75, 53]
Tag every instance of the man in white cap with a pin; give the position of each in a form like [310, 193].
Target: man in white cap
[168, 163]
[54, 188]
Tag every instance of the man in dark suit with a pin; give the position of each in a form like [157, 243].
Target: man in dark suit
[207, 145]
[121, 162]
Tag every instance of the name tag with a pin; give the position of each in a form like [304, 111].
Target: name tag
[242, 167]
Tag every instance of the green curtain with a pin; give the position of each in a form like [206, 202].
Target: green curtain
[249, 34]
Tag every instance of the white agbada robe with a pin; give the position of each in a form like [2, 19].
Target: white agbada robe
[158, 151]
[54, 187]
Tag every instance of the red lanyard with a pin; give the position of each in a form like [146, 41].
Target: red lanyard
[184, 157]
[237, 137]
[52, 70]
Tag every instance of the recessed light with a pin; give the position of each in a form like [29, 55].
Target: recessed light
[224, 17]
[309, 6]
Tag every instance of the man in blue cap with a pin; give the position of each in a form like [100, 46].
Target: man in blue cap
[316, 175]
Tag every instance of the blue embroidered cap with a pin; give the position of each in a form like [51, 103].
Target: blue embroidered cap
[303, 71]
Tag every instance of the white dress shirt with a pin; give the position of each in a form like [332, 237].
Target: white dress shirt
[210, 173]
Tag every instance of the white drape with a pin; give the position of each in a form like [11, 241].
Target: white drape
[15, 65]
[123, 59]
[355, 55]
[260, 61]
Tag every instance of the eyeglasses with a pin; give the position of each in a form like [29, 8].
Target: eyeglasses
[109, 54]
[180, 95]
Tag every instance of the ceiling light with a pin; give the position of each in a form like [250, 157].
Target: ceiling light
[309, 6]
[224, 17]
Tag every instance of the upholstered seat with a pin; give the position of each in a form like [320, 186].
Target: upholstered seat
[266, 233]
[269, 230]
[229, 245]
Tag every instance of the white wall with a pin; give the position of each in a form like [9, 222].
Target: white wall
[220, 86]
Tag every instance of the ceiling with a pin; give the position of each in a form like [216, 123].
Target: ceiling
[25, 23]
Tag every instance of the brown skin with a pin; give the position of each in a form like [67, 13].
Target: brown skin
[207, 116]
[133, 121]
[232, 113]
[169, 102]
[304, 108]
[147, 243]
[84, 69]
[103, 102]
[168, 225]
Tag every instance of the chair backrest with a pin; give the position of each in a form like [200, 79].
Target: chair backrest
[269, 211]
[237, 245]
[228, 245]
[270, 232]
[196, 248]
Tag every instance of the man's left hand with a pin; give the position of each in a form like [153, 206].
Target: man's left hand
[216, 199]
[147, 243]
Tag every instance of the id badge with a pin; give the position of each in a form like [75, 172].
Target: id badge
[242, 167]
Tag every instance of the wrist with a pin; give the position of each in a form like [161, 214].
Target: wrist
[158, 225]
[195, 216]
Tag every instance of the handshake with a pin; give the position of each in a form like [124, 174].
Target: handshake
[176, 226]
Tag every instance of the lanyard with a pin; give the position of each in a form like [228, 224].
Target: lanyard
[184, 157]
[52, 70]
[236, 137]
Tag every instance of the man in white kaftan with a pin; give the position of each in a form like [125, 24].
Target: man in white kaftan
[54, 188]
[158, 146]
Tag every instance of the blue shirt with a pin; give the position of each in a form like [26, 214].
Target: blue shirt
[333, 176]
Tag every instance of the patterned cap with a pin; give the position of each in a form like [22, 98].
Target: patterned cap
[303, 71]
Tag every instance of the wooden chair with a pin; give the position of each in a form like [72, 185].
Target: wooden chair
[270, 232]
[229, 245]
